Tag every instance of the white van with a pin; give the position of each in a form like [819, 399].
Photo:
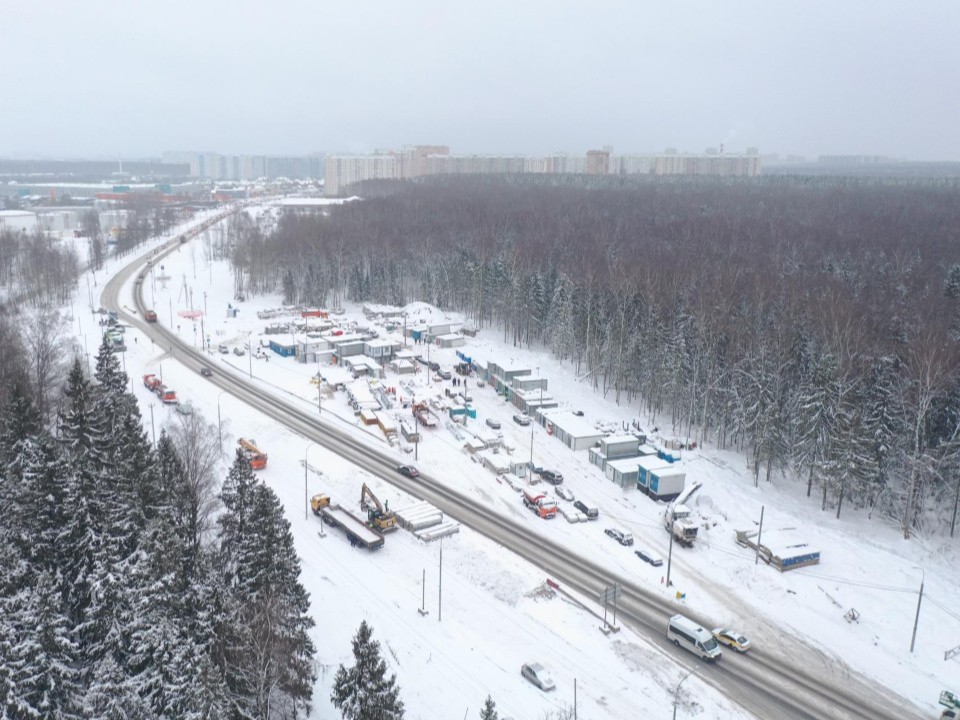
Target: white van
[685, 633]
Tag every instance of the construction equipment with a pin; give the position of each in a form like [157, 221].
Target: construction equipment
[335, 516]
[378, 516]
[256, 457]
[678, 520]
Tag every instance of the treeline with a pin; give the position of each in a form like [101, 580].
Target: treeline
[812, 323]
[36, 269]
[127, 592]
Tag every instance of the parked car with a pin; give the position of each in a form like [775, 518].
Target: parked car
[435, 366]
[731, 638]
[239, 352]
[589, 510]
[649, 557]
[444, 374]
[206, 372]
[624, 538]
[409, 470]
[552, 477]
[521, 420]
[538, 675]
[223, 349]
[491, 423]
[184, 409]
[563, 493]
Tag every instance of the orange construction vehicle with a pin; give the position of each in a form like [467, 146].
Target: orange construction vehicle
[256, 458]
[151, 382]
[540, 504]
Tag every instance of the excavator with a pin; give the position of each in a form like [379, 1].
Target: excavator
[256, 457]
[378, 516]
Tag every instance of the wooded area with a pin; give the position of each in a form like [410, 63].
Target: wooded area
[811, 322]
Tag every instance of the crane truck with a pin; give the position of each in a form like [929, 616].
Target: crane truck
[378, 516]
[357, 531]
[677, 518]
[256, 457]
[540, 504]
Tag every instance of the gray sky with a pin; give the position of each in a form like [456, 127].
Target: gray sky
[814, 77]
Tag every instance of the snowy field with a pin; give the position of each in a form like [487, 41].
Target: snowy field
[497, 612]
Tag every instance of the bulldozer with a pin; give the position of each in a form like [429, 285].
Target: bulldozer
[378, 516]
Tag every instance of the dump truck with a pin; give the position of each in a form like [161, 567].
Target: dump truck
[256, 457]
[378, 516]
[356, 530]
[540, 504]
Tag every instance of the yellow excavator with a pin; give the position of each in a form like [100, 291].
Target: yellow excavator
[378, 516]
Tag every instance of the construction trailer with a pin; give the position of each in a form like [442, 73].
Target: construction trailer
[355, 529]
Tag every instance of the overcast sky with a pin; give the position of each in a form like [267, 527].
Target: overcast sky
[808, 77]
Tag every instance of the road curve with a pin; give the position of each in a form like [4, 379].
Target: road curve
[767, 685]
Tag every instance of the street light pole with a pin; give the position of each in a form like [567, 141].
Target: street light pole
[676, 693]
[306, 502]
[219, 423]
[250, 353]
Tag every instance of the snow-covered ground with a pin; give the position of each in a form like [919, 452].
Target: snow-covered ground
[496, 610]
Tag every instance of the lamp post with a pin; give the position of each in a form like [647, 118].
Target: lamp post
[306, 502]
[219, 423]
[916, 620]
[250, 353]
[676, 693]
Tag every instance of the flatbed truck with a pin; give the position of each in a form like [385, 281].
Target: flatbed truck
[356, 530]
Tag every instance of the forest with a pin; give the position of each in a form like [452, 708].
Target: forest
[811, 323]
[135, 583]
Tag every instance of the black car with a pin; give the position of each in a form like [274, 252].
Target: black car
[434, 366]
[648, 557]
[552, 477]
[409, 470]
[206, 372]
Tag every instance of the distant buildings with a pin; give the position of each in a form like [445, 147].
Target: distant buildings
[343, 170]
[214, 166]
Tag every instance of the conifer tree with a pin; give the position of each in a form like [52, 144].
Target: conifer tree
[262, 642]
[364, 692]
[489, 710]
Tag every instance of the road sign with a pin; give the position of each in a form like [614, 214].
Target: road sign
[610, 594]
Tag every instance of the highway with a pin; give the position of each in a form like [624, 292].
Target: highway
[804, 686]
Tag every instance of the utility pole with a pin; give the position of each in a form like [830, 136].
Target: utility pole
[423, 594]
[916, 620]
[756, 560]
[153, 429]
[440, 585]
[670, 552]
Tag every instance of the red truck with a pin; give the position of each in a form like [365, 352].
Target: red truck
[151, 382]
[540, 504]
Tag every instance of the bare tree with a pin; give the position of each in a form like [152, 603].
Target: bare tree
[199, 450]
[47, 360]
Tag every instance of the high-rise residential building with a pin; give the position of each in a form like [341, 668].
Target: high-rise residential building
[420, 160]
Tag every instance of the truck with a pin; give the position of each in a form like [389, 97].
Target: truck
[256, 457]
[378, 516]
[424, 415]
[540, 504]
[678, 520]
[356, 530]
[151, 382]
[952, 703]
[150, 316]
[168, 396]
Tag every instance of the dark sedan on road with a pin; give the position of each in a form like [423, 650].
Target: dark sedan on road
[409, 470]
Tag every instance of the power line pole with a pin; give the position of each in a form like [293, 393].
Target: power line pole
[756, 560]
[916, 620]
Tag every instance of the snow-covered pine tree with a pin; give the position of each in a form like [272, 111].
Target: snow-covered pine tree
[38, 676]
[364, 692]
[109, 376]
[489, 710]
[263, 646]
